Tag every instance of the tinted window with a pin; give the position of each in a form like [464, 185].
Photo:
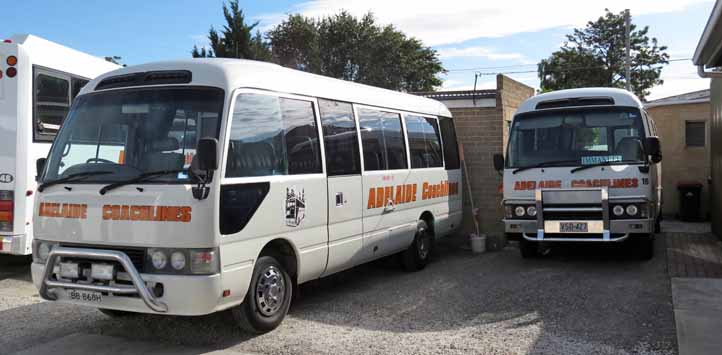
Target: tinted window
[382, 139]
[52, 102]
[272, 136]
[339, 138]
[424, 142]
[451, 148]
[77, 85]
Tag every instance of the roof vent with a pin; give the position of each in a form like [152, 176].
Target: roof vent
[574, 102]
[160, 77]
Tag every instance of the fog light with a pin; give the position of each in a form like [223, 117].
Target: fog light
[531, 211]
[44, 251]
[102, 271]
[618, 210]
[519, 211]
[69, 270]
[632, 210]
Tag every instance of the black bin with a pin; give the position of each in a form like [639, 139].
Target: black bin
[690, 197]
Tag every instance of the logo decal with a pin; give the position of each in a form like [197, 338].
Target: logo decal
[147, 213]
[295, 206]
[6, 178]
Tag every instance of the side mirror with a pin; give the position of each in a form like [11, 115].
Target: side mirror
[207, 154]
[39, 167]
[498, 162]
[653, 149]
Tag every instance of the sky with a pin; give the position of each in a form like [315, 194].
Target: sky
[485, 37]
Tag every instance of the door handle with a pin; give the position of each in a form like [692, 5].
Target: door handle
[390, 206]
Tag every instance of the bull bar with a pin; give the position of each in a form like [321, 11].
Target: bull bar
[138, 285]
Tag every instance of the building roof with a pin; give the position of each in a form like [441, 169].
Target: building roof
[686, 98]
[231, 74]
[709, 48]
[620, 97]
[458, 95]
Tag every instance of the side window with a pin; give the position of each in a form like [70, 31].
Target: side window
[694, 134]
[424, 142]
[52, 102]
[77, 84]
[272, 136]
[451, 148]
[382, 140]
[340, 138]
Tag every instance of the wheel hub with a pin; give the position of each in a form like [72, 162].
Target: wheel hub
[270, 291]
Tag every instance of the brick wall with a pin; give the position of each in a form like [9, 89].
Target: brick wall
[484, 132]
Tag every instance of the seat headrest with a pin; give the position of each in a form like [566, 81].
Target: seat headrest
[165, 145]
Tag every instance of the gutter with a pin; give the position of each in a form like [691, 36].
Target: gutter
[707, 74]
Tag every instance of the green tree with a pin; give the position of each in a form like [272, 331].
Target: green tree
[236, 39]
[595, 56]
[345, 47]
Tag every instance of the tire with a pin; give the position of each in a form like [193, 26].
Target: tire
[528, 249]
[644, 244]
[416, 257]
[268, 298]
[113, 313]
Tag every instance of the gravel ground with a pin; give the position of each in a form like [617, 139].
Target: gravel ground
[577, 300]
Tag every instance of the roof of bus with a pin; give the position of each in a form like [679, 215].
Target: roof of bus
[58, 57]
[230, 74]
[620, 97]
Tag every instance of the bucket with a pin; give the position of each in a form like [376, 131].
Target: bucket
[478, 243]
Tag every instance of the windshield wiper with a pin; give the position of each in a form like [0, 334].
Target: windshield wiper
[543, 164]
[140, 178]
[584, 167]
[70, 178]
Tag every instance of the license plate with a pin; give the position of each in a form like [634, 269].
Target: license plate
[85, 296]
[573, 227]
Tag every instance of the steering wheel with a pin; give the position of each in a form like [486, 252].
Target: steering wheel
[100, 160]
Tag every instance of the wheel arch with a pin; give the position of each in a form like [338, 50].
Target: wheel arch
[286, 252]
[428, 217]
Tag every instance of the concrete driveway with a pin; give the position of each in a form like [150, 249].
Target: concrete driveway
[577, 300]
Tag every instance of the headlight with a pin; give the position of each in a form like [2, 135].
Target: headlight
[531, 211]
[632, 210]
[618, 210]
[519, 211]
[41, 250]
[158, 259]
[178, 260]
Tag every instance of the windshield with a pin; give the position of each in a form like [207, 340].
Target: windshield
[576, 137]
[131, 132]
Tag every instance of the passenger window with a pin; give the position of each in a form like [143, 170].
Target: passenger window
[340, 138]
[424, 142]
[272, 136]
[451, 148]
[382, 140]
[77, 84]
[52, 102]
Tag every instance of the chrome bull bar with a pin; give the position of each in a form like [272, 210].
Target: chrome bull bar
[48, 284]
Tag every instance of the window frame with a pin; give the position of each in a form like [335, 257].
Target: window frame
[704, 134]
[69, 78]
[226, 135]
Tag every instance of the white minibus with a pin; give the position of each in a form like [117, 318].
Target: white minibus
[39, 80]
[191, 187]
[582, 165]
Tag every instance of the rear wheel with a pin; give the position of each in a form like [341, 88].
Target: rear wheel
[528, 249]
[417, 255]
[268, 298]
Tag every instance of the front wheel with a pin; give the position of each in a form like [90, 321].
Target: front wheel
[417, 255]
[644, 245]
[268, 298]
[528, 249]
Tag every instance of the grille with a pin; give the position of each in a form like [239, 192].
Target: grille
[572, 215]
[136, 255]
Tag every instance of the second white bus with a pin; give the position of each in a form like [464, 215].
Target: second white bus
[39, 80]
[191, 187]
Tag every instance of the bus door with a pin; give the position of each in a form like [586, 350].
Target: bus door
[385, 181]
[345, 191]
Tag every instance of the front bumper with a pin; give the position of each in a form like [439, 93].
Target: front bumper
[15, 244]
[182, 294]
[618, 230]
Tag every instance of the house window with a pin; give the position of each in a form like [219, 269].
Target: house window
[694, 134]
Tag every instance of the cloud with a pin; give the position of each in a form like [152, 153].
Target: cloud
[679, 78]
[478, 52]
[455, 21]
